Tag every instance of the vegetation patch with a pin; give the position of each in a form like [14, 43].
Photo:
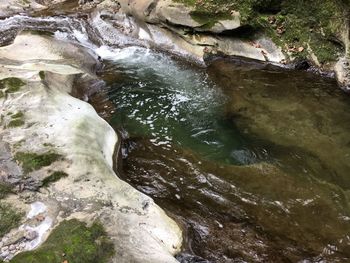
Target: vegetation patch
[33, 161]
[17, 115]
[9, 218]
[17, 120]
[294, 25]
[5, 189]
[72, 241]
[11, 84]
[42, 75]
[15, 123]
[54, 177]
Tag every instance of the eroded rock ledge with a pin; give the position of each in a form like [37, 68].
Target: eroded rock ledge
[201, 28]
[296, 34]
[63, 152]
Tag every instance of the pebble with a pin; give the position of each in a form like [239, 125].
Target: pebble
[12, 247]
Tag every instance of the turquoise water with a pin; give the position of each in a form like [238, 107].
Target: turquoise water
[172, 103]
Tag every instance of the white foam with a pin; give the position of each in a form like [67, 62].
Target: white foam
[41, 229]
[36, 209]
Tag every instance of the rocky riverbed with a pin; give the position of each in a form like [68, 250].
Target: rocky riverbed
[61, 196]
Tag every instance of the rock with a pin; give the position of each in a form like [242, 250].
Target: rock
[176, 14]
[69, 123]
[4, 254]
[12, 247]
[302, 65]
[170, 13]
[342, 71]
[30, 235]
[14, 238]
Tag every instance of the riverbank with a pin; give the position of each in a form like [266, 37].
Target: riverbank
[59, 158]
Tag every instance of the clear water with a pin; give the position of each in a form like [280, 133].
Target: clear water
[253, 161]
[171, 103]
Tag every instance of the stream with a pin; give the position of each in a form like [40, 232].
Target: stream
[250, 159]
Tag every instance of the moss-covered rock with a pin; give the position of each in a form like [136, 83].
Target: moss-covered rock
[299, 27]
[72, 241]
[33, 161]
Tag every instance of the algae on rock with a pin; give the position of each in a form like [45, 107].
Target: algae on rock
[54, 177]
[33, 161]
[72, 241]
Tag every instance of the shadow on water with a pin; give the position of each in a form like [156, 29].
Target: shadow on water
[252, 162]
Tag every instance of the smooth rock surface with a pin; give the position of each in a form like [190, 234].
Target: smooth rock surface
[57, 122]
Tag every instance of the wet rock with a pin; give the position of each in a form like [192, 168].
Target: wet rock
[188, 258]
[30, 235]
[291, 116]
[342, 70]
[302, 65]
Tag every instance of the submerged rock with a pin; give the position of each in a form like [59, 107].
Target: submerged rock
[253, 213]
[288, 109]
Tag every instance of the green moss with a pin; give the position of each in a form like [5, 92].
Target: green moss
[5, 189]
[17, 115]
[2, 94]
[17, 120]
[15, 123]
[42, 75]
[72, 241]
[208, 19]
[9, 218]
[54, 177]
[48, 144]
[33, 161]
[298, 23]
[315, 24]
[11, 84]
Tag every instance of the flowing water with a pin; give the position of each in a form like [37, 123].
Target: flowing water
[251, 160]
[239, 154]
